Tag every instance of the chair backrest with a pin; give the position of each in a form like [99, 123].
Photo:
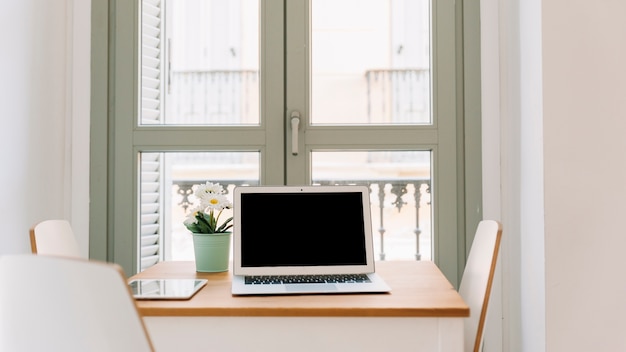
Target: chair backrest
[51, 303]
[477, 278]
[54, 237]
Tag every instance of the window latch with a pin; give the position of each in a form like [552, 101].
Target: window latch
[295, 123]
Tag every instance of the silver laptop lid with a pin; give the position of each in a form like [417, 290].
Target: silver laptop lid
[291, 230]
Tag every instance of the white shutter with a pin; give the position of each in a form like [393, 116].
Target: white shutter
[151, 224]
[151, 219]
[151, 61]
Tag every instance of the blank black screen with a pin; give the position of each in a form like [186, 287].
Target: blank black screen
[302, 229]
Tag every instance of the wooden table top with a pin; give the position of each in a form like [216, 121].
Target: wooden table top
[418, 289]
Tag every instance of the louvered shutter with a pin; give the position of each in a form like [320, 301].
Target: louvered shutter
[151, 225]
[151, 61]
[151, 219]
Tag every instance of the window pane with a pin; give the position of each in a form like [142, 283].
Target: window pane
[166, 187]
[209, 64]
[370, 62]
[399, 183]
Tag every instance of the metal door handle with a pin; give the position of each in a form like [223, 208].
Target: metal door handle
[295, 123]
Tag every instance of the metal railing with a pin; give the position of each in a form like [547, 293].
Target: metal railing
[398, 96]
[386, 195]
[213, 97]
[232, 96]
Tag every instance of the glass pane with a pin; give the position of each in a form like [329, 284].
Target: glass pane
[370, 62]
[176, 174]
[210, 68]
[399, 182]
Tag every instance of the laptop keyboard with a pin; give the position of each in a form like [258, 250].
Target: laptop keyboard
[306, 279]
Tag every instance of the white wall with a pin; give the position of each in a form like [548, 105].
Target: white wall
[560, 81]
[44, 97]
[492, 187]
[584, 91]
[531, 183]
[521, 176]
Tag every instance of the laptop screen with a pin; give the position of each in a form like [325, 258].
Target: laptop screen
[309, 229]
[322, 228]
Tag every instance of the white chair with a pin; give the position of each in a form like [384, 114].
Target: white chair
[54, 237]
[51, 303]
[477, 278]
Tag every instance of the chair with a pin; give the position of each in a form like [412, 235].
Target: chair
[477, 278]
[51, 303]
[54, 237]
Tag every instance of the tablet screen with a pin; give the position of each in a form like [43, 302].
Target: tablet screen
[165, 288]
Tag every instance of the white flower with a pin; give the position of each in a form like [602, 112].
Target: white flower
[216, 201]
[208, 189]
[191, 217]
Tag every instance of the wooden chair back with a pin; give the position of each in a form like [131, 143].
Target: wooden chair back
[52, 303]
[477, 279]
[54, 237]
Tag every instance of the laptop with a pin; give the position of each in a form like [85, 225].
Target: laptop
[303, 240]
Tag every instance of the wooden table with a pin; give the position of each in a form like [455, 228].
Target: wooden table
[423, 312]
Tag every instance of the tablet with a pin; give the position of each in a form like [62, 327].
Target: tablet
[165, 288]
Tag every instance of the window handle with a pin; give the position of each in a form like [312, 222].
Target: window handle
[295, 123]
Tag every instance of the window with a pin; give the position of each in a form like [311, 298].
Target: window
[339, 92]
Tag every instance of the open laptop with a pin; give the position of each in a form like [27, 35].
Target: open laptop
[303, 239]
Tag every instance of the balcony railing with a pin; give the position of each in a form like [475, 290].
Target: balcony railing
[407, 201]
[232, 96]
[213, 97]
[398, 96]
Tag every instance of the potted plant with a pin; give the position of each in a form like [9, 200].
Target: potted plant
[211, 239]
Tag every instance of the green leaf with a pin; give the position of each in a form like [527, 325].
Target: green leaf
[225, 226]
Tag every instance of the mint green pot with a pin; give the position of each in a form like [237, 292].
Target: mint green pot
[212, 251]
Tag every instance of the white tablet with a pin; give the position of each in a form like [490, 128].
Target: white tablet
[165, 288]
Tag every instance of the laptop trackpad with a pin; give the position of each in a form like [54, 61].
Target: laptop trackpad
[311, 287]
